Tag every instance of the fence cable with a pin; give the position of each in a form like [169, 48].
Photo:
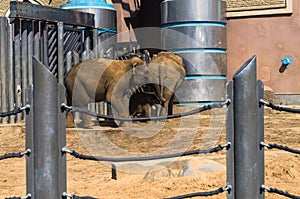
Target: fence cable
[279, 108]
[280, 147]
[280, 192]
[66, 195]
[28, 196]
[15, 111]
[64, 107]
[15, 155]
[131, 159]
[205, 194]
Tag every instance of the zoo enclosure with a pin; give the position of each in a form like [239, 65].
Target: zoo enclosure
[58, 38]
[245, 138]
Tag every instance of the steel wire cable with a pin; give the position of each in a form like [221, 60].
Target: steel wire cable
[15, 155]
[279, 192]
[131, 159]
[279, 108]
[281, 147]
[93, 114]
[204, 194]
[15, 111]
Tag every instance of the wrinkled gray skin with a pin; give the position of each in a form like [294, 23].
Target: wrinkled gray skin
[169, 69]
[97, 80]
[143, 104]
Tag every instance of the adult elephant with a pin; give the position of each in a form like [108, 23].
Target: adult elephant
[169, 69]
[99, 80]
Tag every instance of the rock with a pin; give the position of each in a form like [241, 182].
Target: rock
[158, 172]
[269, 94]
[196, 167]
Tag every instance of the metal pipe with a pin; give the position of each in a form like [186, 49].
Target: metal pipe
[245, 131]
[3, 59]
[60, 52]
[10, 72]
[230, 139]
[24, 52]
[46, 150]
[17, 65]
[30, 50]
[260, 138]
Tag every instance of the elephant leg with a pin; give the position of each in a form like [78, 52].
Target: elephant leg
[169, 100]
[170, 105]
[85, 120]
[69, 118]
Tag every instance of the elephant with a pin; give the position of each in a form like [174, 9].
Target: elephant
[144, 104]
[101, 79]
[170, 71]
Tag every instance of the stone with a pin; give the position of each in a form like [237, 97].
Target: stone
[269, 94]
[198, 167]
[158, 172]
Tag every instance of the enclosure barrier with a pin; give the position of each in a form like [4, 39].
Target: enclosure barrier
[244, 107]
[58, 38]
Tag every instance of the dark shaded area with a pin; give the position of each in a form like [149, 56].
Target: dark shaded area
[148, 14]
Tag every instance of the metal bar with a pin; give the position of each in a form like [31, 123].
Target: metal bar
[46, 148]
[60, 52]
[260, 138]
[3, 60]
[45, 46]
[30, 50]
[68, 61]
[30, 142]
[230, 139]
[46, 13]
[10, 72]
[24, 52]
[17, 66]
[36, 41]
[95, 43]
[62, 179]
[245, 131]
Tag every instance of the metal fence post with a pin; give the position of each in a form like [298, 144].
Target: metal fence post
[10, 72]
[246, 143]
[46, 142]
[17, 65]
[60, 52]
[260, 138]
[3, 61]
[24, 56]
[230, 138]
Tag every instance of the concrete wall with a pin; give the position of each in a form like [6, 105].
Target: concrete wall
[270, 38]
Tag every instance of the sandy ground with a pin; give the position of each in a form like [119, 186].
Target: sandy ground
[89, 178]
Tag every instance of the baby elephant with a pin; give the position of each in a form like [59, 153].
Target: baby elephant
[144, 105]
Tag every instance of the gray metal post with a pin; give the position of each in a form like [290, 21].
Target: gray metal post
[245, 132]
[17, 66]
[30, 50]
[260, 138]
[95, 43]
[10, 72]
[24, 52]
[230, 138]
[3, 59]
[60, 52]
[44, 140]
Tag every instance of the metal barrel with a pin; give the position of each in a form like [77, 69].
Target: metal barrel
[196, 30]
[105, 21]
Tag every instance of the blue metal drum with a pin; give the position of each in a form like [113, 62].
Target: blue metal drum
[196, 30]
[105, 20]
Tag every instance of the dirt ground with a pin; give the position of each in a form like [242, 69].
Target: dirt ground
[90, 178]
